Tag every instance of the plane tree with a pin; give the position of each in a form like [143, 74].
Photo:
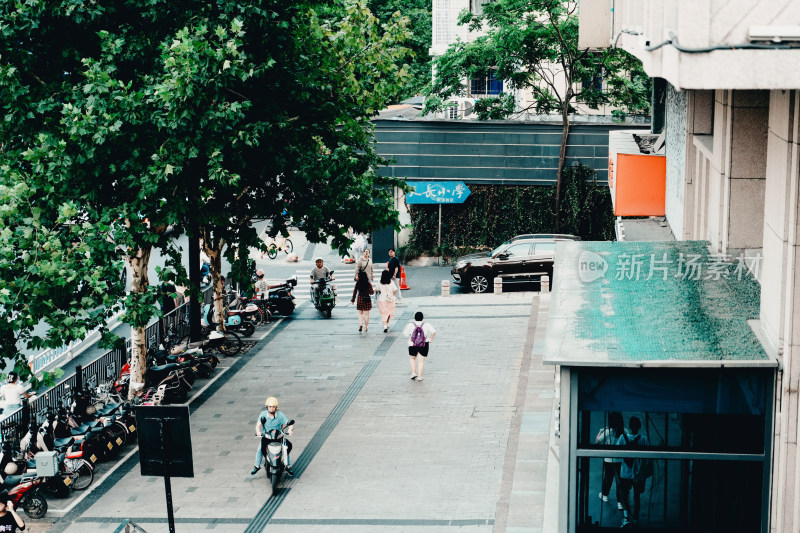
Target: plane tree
[154, 117]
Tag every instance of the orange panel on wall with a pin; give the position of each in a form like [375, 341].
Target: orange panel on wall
[640, 183]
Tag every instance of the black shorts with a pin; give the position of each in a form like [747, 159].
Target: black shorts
[413, 351]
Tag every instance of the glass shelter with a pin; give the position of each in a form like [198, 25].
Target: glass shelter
[678, 357]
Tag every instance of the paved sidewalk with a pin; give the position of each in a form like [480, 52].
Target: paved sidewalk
[374, 451]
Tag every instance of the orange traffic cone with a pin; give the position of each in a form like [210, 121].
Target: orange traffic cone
[403, 281]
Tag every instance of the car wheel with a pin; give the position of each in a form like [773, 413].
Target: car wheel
[479, 283]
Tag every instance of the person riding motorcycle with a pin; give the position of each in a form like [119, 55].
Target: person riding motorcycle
[274, 420]
[317, 273]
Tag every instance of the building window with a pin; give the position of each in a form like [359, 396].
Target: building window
[595, 83]
[486, 86]
[476, 6]
[444, 22]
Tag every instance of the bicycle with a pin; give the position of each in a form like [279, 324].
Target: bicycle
[284, 244]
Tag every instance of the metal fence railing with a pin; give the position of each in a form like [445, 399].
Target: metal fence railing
[105, 367]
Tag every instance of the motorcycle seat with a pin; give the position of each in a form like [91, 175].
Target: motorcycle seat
[172, 359]
[31, 464]
[108, 410]
[165, 368]
[12, 481]
[63, 443]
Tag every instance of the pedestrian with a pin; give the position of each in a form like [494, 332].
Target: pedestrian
[364, 264]
[630, 471]
[608, 436]
[387, 293]
[12, 393]
[420, 335]
[10, 521]
[393, 265]
[363, 289]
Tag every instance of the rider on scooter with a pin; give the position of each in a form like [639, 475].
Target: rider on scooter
[318, 273]
[274, 420]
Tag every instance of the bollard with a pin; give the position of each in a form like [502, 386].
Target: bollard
[545, 284]
[445, 287]
[498, 285]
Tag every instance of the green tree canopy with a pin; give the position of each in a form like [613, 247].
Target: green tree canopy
[157, 115]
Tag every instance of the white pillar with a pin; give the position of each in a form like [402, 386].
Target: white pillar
[498, 285]
[545, 284]
[445, 287]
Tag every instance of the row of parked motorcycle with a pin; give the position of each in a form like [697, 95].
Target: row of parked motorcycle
[95, 426]
[91, 429]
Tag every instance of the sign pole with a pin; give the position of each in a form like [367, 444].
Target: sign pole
[439, 238]
[167, 485]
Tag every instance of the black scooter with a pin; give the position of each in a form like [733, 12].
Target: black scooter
[281, 300]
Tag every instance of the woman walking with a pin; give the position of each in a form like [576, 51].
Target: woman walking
[363, 289]
[386, 298]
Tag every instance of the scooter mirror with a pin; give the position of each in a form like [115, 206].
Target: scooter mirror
[263, 420]
[290, 423]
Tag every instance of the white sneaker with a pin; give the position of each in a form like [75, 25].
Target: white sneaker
[413, 376]
[419, 378]
[603, 497]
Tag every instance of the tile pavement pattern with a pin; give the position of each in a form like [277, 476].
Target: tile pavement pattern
[374, 451]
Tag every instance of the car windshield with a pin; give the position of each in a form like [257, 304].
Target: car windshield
[498, 249]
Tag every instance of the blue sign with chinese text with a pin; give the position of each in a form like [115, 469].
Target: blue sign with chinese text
[437, 192]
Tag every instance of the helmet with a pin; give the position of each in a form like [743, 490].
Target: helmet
[260, 273]
[11, 469]
[271, 401]
[317, 259]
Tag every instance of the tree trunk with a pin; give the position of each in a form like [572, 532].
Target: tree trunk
[214, 252]
[139, 283]
[562, 158]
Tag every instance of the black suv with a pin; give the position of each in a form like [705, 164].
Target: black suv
[519, 260]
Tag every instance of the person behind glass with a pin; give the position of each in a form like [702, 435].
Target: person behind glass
[628, 470]
[608, 436]
[273, 419]
[9, 519]
[12, 392]
[387, 292]
[364, 264]
[363, 290]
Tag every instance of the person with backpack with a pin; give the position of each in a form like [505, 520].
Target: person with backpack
[609, 436]
[420, 335]
[363, 290]
[633, 472]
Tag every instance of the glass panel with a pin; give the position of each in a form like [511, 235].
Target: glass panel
[518, 250]
[545, 248]
[707, 496]
[693, 410]
[688, 432]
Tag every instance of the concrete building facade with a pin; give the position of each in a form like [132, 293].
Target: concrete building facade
[732, 133]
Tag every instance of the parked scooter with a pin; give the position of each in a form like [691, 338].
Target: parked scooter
[281, 300]
[23, 491]
[276, 454]
[233, 321]
[323, 295]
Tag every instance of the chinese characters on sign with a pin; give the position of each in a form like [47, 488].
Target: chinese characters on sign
[692, 267]
[437, 192]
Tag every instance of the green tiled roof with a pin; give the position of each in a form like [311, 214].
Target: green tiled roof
[652, 303]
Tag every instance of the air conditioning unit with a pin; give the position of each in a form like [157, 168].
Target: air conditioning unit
[458, 108]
